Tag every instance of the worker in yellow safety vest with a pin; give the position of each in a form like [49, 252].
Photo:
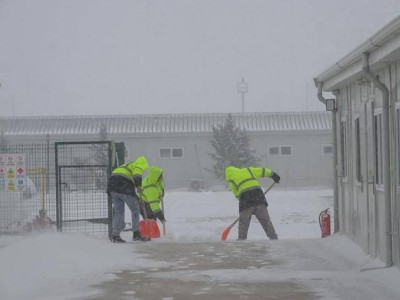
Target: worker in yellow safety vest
[125, 186]
[243, 182]
[153, 193]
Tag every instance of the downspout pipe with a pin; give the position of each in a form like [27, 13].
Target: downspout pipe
[334, 159]
[367, 74]
[335, 168]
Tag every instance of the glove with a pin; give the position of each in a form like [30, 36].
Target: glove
[275, 177]
[160, 215]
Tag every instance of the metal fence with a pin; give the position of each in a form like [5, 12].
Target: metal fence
[82, 171]
[26, 187]
[63, 187]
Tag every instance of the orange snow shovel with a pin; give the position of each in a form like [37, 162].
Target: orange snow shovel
[148, 227]
[225, 233]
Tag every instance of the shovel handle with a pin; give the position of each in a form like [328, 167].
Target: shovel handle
[270, 187]
[234, 223]
[163, 228]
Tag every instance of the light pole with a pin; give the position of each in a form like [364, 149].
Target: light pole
[242, 89]
[47, 161]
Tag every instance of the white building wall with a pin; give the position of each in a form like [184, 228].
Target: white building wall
[361, 201]
[307, 165]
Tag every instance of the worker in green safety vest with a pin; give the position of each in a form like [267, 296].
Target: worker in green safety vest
[243, 182]
[125, 187]
[153, 193]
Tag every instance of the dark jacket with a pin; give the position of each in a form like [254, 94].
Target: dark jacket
[127, 177]
[252, 197]
[123, 185]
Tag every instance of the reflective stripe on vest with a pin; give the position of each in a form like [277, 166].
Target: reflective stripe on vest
[237, 186]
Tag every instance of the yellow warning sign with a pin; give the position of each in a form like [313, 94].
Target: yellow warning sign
[11, 185]
[10, 173]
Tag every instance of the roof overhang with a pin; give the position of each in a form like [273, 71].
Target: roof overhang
[383, 47]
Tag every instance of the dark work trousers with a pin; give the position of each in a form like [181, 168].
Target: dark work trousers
[261, 213]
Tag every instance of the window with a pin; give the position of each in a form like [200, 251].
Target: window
[177, 152]
[280, 150]
[273, 150]
[165, 153]
[286, 150]
[343, 147]
[171, 152]
[327, 149]
[378, 149]
[358, 149]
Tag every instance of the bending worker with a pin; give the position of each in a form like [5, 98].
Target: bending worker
[125, 186]
[244, 185]
[153, 193]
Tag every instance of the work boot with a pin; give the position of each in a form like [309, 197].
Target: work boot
[137, 236]
[117, 239]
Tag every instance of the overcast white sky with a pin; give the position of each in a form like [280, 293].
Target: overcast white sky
[74, 57]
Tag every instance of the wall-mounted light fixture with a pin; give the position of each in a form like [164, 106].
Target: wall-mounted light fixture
[330, 105]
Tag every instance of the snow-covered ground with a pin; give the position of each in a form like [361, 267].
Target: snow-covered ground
[64, 266]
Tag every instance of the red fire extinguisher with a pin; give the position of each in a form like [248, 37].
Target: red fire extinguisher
[325, 222]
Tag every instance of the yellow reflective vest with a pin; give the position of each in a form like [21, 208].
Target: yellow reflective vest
[242, 179]
[132, 169]
[153, 188]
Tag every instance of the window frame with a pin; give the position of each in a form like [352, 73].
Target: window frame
[171, 153]
[280, 150]
[378, 147]
[343, 148]
[323, 149]
[357, 148]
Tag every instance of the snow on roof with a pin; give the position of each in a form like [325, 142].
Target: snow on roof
[164, 123]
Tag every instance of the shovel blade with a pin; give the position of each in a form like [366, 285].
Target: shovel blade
[225, 234]
[149, 228]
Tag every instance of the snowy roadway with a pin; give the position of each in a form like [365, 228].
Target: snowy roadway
[191, 262]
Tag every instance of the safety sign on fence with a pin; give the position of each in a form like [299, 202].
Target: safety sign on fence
[12, 172]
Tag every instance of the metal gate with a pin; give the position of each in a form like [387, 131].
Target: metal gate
[82, 173]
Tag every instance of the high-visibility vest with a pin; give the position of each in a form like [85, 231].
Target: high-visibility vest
[153, 188]
[132, 169]
[242, 179]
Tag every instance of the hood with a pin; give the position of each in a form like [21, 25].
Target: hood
[229, 171]
[141, 162]
[154, 174]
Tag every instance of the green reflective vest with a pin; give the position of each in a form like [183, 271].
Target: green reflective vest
[153, 188]
[242, 179]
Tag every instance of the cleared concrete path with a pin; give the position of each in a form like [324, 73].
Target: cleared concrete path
[193, 269]
[330, 268]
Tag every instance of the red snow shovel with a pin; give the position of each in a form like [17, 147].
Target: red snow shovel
[149, 228]
[225, 233]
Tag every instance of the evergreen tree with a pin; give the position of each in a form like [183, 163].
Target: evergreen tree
[100, 156]
[100, 150]
[103, 132]
[232, 148]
